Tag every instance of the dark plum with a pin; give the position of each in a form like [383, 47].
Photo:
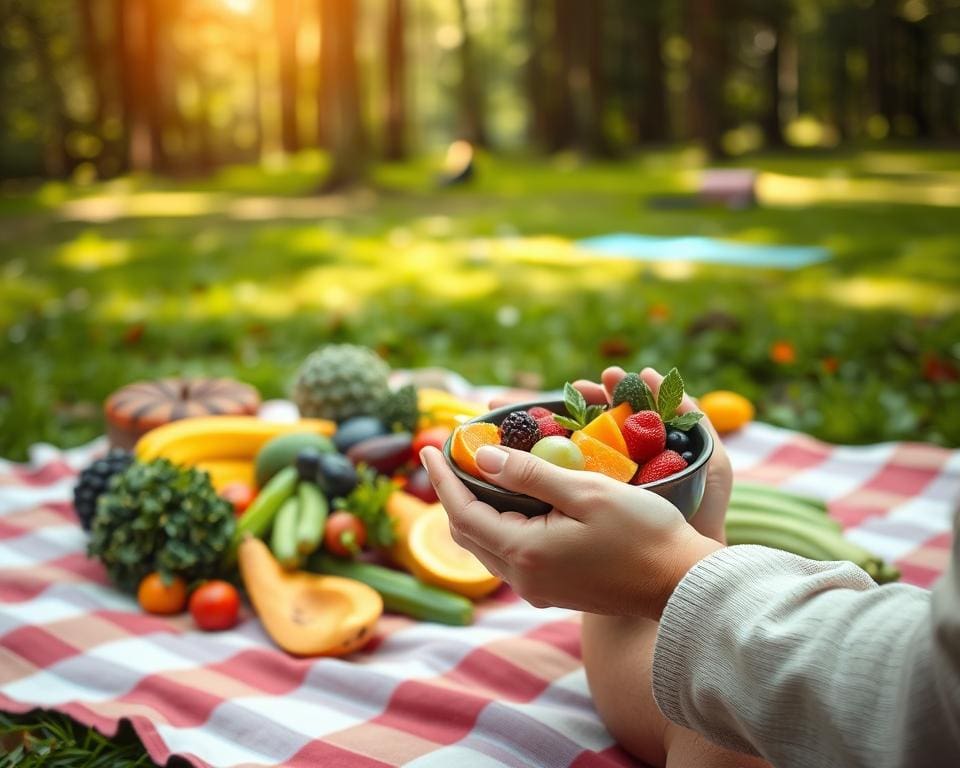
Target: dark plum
[336, 475]
[356, 430]
[385, 454]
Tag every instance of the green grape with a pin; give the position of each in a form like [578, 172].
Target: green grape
[560, 451]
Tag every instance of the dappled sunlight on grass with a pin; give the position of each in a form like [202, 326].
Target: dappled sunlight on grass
[797, 191]
[892, 293]
[90, 252]
[141, 205]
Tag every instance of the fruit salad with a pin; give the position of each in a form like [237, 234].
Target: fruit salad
[639, 438]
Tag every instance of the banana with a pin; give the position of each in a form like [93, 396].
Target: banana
[440, 408]
[222, 473]
[218, 438]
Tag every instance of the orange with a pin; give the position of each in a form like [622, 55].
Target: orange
[157, 596]
[620, 414]
[438, 560]
[604, 428]
[467, 439]
[600, 457]
[726, 410]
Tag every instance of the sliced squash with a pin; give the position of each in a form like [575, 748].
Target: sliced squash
[307, 614]
[425, 547]
[605, 429]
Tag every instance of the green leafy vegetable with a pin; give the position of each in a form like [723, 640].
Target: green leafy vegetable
[368, 501]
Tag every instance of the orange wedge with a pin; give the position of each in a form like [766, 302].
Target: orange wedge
[620, 414]
[604, 428]
[438, 560]
[467, 440]
[600, 457]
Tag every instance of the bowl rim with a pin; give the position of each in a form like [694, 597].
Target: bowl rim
[700, 461]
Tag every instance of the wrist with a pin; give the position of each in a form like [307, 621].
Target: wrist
[689, 549]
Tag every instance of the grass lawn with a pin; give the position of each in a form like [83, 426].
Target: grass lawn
[246, 273]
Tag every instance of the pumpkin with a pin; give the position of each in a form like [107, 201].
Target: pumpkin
[137, 408]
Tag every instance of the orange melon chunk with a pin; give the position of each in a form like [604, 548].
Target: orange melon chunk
[467, 439]
[620, 414]
[604, 428]
[600, 457]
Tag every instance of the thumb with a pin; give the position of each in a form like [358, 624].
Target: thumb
[572, 491]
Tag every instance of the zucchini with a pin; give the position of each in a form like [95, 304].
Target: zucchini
[258, 518]
[313, 517]
[283, 538]
[781, 508]
[401, 592]
[755, 491]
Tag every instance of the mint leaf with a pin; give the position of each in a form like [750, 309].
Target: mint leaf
[566, 423]
[593, 411]
[573, 399]
[651, 404]
[671, 393]
[685, 421]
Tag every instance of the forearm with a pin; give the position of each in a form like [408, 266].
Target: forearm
[807, 663]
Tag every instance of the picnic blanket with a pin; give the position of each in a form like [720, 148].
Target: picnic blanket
[507, 691]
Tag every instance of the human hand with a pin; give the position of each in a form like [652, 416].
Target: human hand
[606, 547]
[709, 519]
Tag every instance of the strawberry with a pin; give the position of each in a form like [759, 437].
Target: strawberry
[645, 435]
[540, 413]
[661, 466]
[549, 427]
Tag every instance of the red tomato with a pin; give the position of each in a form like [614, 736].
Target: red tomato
[215, 605]
[435, 436]
[344, 535]
[239, 494]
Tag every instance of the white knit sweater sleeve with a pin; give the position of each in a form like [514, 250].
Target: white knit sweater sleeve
[811, 664]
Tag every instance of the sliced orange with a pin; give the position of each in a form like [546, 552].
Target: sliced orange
[467, 440]
[438, 560]
[600, 457]
[620, 414]
[604, 428]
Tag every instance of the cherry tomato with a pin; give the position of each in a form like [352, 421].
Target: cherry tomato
[155, 596]
[215, 605]
[344, 535]
[435, 436]
[239, 494]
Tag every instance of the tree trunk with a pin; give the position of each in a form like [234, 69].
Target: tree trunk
[595, 114]
[57, 159]
[346, 139]
[286, 22]
[771, 120]
[563, 114]
[153, 102]
[538, 127]
[123, 67]
[94, 57]
[472, 126]
[882, 97]
[706, 75]
[395, 120]
[652, 117]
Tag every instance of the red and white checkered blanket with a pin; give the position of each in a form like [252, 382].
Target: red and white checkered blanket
[507, 691]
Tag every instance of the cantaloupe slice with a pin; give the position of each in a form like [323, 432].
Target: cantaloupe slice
[620, 414]
[307, 614]
[600, 457]
[426, 549]
[604, 428]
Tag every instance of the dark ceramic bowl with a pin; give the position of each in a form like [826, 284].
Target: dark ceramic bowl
[684, 489]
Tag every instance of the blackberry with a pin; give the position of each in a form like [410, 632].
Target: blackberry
[519, 430]
[95, 480]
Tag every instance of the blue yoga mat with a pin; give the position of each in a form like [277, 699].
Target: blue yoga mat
[704, 249]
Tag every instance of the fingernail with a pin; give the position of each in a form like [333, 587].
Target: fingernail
[491, 459]
[423, 458]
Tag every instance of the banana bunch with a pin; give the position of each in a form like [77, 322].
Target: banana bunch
[442, 409]
[223, 446]
[798, 524]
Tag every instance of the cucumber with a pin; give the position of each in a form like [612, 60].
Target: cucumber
[780, 508]
[401, 592]
[258, 518]
[753, 490]
[283, 538]
[313, 517]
